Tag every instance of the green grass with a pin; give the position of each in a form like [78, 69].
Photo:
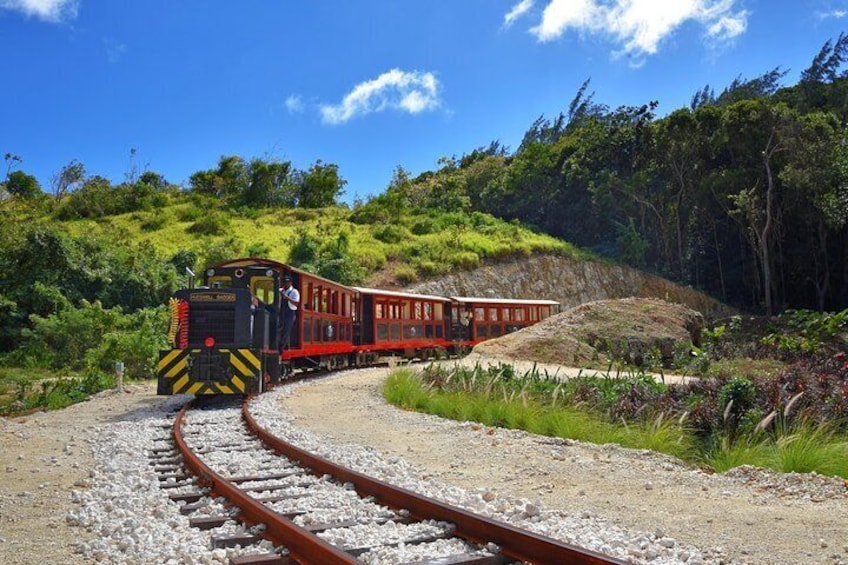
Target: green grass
[17, 383]
[801, 447]
[185, 225]
[808, 447]
[518, 411]
[35, 391]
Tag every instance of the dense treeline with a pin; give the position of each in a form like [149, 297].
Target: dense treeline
[743, 195]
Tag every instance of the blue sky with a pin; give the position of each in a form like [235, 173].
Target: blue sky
[368, 85]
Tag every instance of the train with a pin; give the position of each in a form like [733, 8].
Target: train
[225, 337]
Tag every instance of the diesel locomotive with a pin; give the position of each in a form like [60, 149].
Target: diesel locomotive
[225, 333]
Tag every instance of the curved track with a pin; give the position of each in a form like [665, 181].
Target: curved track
[487, 541]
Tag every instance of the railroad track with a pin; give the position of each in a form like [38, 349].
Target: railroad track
[290, 506]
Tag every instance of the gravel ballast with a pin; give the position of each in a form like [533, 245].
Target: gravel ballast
[79, 487]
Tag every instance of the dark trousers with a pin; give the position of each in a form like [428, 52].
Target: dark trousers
[289, 317]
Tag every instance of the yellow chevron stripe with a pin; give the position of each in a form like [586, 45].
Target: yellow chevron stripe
[224, 388]
[194, 388]
[176, 370]
[166, 360]
[251, 358]
[239, 384]
[178, 386]
[240, 367]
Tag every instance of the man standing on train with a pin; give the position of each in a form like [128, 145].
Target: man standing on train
[288, 310]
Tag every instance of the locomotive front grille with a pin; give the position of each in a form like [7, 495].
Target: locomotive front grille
[212, 320]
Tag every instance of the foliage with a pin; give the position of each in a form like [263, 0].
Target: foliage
[332, 260]
[214, 223]
[320, 185]
[90, 336]
[97, 197]
[213, 252]
[22, 185]
[804, 332]
[59, 393]
[634, 411]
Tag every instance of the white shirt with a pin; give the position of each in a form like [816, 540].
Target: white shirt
[292, 295]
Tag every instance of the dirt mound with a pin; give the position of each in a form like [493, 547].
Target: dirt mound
[630, 329]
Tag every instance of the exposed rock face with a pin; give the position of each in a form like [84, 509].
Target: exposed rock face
[570, 282]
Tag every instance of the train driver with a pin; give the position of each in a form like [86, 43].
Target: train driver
[288, 310]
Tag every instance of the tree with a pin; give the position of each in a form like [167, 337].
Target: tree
[760, 131]
[270, 184]
[816, 180]
[22, 185]
[68, 178]
[227, 182]
[320, 186]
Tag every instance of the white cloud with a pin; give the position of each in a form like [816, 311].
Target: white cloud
[294, 104]
[412, 92]
[835, 14]
[517, 11]
[48, 10]
[639, 26]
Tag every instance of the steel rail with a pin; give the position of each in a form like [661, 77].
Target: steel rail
[303, 546]
[515, 543]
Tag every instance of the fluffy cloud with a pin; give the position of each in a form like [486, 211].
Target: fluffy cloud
[411, 92]
[639, 25]
[294, 104]
[517, 11]
[47, 10]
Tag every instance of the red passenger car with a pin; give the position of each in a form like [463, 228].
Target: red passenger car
[479, 319]
[400, 322]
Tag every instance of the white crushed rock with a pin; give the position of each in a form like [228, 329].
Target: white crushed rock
[79, 488]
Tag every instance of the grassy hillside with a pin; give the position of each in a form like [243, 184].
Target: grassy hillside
[405, 249]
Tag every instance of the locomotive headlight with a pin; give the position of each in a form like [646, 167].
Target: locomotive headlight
[269, 273]
[210, 272]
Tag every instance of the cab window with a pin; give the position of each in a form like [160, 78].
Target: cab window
[263, 289]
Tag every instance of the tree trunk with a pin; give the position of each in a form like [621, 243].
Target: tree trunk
[768, 228]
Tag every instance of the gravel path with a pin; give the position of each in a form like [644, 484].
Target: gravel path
[78, 488]
[745, 516]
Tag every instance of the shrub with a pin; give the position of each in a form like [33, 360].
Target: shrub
[423, 226]
[213, 223]
[258, 250]
[69, 334]
[404, 274]
[390, 233]
[137, 344]
[190, 213]
[465, 260]
[154, 221]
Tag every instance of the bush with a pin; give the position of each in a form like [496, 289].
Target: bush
[258, 250]
[190, 213]
[154, 221]
[465, 260]
[390, 233]
[213, 223]
[92, 337]
[404, 274]
[137, 345]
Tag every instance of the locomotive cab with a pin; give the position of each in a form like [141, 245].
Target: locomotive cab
[223, 335]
